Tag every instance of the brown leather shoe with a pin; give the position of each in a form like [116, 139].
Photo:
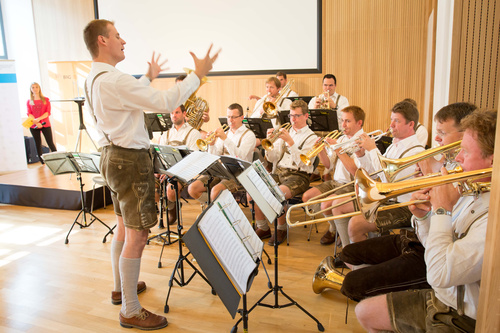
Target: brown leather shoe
[116, 296]
[145, 320]
[280, 239]
[263, 234]
[328, 238]
[172, 215]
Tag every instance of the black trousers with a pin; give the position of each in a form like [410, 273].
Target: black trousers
[397, 264]
[47, 133]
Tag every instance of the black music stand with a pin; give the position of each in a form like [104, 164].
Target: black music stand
[259, 126]
[323, 120]
[80, 101]
[62, 163]
[272, 216]
[306, 99]
[223, 121]
[158, 122]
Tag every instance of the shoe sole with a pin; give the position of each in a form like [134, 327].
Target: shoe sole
[144, 328]
[120, 301]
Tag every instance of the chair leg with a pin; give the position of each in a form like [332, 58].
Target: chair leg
[92, 204]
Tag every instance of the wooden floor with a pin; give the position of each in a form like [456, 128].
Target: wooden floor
[47, 286]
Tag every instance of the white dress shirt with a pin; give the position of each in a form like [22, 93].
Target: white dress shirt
[450, 261]
[174, 137]
[291, 160]
[244, 151]
[343, 102]
[118, 100]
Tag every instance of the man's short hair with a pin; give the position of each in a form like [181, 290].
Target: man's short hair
[280, 73]
[484, 125]
[236, 106]
[180, 78]
[411, 100]
[182, 107]
[275, 80]
[357, 113]
[298, 103]
[94, 29]
[408, 111]
[330, 76]
[454, 111]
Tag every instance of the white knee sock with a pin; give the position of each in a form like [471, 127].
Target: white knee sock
[342, 225]
[129, 271]
[282, 226]
[203, 199]
[262, 224]
[332, 227]
[116, 251]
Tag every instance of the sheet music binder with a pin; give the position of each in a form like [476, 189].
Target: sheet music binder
[263, 190]
[168, 156]
[227, 249]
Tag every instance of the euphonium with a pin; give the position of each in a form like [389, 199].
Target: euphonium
[271, 108]
[268, 144]
[318, 147]
[195, 106]
[203, 144]
[327, 276]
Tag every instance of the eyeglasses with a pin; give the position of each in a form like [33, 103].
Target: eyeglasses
[443, 134]
[233, 117]
[294, 115]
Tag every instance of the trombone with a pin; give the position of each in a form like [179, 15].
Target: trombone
[318, 147]
[369, 194]
[271, 108]
[203, 144]
[268, 143]
[391, 167]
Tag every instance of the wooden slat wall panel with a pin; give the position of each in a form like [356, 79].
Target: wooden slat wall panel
[475, 64]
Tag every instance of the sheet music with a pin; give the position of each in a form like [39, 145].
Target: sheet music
[263, 188]
[192, 165]
[226, 244]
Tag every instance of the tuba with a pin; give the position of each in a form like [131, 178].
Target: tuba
[327, 276]
[195, 106]
[271, 108]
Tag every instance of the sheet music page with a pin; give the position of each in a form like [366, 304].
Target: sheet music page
[192, 165]
[243, 228]
[263, 188]
[227, 247]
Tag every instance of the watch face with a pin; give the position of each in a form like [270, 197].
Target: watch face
[442, 211]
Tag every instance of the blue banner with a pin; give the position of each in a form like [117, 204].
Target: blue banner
[8, 78]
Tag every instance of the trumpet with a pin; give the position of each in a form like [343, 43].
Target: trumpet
[370, 194]
[203, 144]
[195, 106]
[351, 146]
[324, 100]
[271, 108]
[318, 147]
[268, 144]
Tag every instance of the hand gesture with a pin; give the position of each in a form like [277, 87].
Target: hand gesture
[155, 68]
[203, 66]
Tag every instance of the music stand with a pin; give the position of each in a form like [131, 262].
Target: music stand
[323, 120]
[158, 122]
[283, 116]
[306, 99]
[259, 126]
[223, 121]
[383, 143]
[73, 162]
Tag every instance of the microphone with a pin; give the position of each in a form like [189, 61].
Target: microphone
[43, 123]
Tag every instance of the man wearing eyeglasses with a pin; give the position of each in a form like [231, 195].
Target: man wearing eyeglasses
[291, 174]
[238, 141]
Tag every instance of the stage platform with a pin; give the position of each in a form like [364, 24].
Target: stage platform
[38, 187]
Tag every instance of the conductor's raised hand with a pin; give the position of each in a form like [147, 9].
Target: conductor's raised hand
[155, 68]
[204, 65]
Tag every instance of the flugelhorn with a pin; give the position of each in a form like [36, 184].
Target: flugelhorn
[369, 194]
[324, 100]
[268, 143]
[351, 146]
[203, 144]
[271, 108]
[318, 147]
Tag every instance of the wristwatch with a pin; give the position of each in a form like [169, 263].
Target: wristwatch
[442, 211]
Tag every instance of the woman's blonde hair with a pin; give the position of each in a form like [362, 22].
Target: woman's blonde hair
[32, 97]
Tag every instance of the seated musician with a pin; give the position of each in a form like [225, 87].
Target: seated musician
[180, 134]
[281, 76]
[205, 117]
[345, 165]
[238, 141]
[396, 262]
[291, 174]
[404, 117]
[453, 230]
[273, 86]
[335, 101]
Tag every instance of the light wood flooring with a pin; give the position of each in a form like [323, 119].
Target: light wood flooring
[47, 286]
